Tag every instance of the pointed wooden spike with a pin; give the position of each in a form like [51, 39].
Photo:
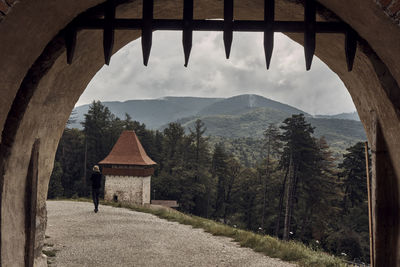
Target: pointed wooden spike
[228, 26]
[309, 31]
[187, 37]
[269, 17]
[108, 43]
[350, 47]
[187, 46]
[309, 50]
[147, 29]
[70, 43]
[268, 46]
[108, 32]
[228, 36]
[146, 48]
[187, 34]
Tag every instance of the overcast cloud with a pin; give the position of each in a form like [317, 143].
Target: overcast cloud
[209, 74]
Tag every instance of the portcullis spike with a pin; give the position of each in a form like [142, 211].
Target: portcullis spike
[147, 29]
[309, 31]
[187, 34]
[108, 32]
[269, 16]
[228, 26]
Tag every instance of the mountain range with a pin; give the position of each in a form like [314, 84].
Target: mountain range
[242, 116]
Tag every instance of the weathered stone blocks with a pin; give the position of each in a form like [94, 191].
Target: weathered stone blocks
[127, 189]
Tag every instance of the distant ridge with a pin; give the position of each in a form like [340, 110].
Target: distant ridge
[152, 112]
[342, 116]
[242, 116]
[157, 112]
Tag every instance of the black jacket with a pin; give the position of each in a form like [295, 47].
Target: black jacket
[96, 179]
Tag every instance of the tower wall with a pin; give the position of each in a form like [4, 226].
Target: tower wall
[127, 189]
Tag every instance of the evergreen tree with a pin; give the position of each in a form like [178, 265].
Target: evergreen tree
[70, 154]
[219, 171]
[201, 164]
[353, 176]
[233, 172]
[318, 200]
[353, 228]
[272, 146]
[167, 183]
[55, 186]
[246, 194]
[101, 129]
[297, 159]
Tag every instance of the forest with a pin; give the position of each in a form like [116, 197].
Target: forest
[296, 190]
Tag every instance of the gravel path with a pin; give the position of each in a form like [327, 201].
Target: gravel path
[120, 237]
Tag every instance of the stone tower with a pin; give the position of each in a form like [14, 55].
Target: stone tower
[127, 170]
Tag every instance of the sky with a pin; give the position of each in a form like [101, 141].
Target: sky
[210, 74]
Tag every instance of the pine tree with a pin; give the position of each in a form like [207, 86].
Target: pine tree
[272, 146]
[55, 186]
[234, 170]
[354, 238]
[246, 191]
[97, 129]
[353, 176]
[202, 178]
[297, 159]
[169, 186]
[70, 154]
[219, 172]
[319, 194]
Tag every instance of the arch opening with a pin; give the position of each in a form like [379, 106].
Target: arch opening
[171, 63]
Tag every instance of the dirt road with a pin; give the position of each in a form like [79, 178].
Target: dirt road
[120, 237]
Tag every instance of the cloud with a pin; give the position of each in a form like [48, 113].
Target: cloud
[209, 74]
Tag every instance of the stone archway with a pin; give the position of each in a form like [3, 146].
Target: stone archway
[39, 90]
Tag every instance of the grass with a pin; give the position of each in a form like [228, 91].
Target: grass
[289, 251]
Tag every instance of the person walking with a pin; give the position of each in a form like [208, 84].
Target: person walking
[96, 183]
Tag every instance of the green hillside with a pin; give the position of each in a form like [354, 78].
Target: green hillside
[242, 103]
[248, 127]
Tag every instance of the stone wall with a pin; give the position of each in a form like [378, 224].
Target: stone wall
[35, 70]
[5, 7]
[146, 190]
[391, 8]
[128, 189]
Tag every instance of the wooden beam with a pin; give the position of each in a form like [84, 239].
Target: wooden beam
[215, 25]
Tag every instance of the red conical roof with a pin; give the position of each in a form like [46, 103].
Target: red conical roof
[128, 151]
